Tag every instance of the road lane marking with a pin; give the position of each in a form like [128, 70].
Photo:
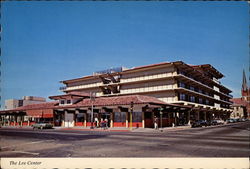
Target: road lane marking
[24, 152]
[34, 142]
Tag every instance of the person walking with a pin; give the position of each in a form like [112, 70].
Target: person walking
[96, 122]
[156, 123]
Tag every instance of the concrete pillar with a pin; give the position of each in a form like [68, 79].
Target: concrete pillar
[188, 118]
[85, 119]
[143, 119]
[111, 119]
[63, 119]
[127, 117]
[8, 120]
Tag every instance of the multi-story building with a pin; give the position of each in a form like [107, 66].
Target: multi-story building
[172, 82]
[26, 100]
[175, 92]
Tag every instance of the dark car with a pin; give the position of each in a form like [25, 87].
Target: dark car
[42, 125]
[199, 123]
[230, 120]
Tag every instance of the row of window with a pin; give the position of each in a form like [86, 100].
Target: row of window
[183, 85]
[191, 77]
[185, 97]
[65, 101]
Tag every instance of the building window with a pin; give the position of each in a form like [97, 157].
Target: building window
[207, 102]
[191, 88]
[120, 117]
[182, 96]
[192, 98]
[181, 84]
[62, 101]
[68, 101]
[137, 116]
[200, 100]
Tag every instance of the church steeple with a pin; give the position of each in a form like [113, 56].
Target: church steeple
[244, 87]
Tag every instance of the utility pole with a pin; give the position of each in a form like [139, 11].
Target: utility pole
[92, 98]
[131, 115]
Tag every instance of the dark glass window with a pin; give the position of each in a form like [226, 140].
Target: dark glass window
[137, 116]
[181, 84]
[62, 101]
[200, 100]
[191, 88]
[120, 117]
[192, 98]
[68, 101]
[182, 96]
[207, 102]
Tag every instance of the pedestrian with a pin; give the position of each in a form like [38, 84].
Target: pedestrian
[96, 122]
[106, 123]
[156, 123]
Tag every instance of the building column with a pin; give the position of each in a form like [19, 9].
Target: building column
[63, 119]
[188, 118]
[205, 115]
[127, 117]
[85, 119]
[8, 120]
[174, 115]
[143, 119]
[111, 119]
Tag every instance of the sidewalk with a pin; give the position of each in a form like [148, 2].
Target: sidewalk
[115, 129]
[124, 129]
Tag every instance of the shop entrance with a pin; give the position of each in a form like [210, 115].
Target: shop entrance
[58, 118]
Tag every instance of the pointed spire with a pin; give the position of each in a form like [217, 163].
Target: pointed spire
[244, 82]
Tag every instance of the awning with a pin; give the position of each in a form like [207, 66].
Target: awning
[41, 113]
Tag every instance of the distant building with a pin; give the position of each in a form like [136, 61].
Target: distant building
[241, 106]
[26, 100]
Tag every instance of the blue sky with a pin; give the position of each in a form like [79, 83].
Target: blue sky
[46, 42]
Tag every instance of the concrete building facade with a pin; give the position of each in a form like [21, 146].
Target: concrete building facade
[26, 100]
[171, 93]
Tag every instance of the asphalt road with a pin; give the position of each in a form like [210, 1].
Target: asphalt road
[221, 141]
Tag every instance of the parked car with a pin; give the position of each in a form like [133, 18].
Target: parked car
[42, 125]
[199, 123]
[230, 121]
[242, 119]
[214, 122]
[219, 121]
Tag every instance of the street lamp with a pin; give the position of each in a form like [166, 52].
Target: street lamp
[92, 98]
[161, 109]
[131, 115]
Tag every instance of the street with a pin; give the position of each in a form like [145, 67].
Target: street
[230, 140]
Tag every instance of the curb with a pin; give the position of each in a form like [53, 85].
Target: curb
[108, 130]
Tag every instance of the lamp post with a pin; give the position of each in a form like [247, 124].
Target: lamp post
[131, 115]
[92, 98]
[161, 109]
